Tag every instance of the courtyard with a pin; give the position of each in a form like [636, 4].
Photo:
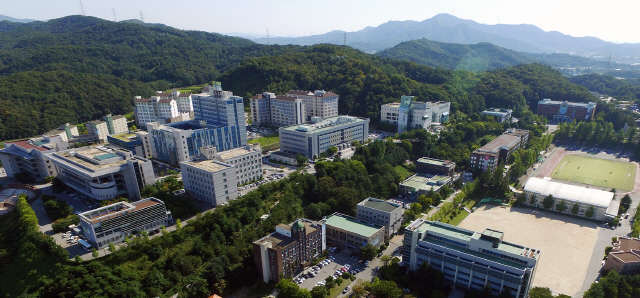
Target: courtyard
[566, 243]
[596, 171]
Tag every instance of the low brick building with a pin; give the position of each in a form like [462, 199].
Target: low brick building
[566, 111]
[625, 256]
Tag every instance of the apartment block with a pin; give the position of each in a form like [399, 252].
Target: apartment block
[261, 108]
[624, 257]
[500, 115]
[408, 114]
[98, 130]
[246, 160]
[163, 108]
[432, 166]
[112, 223]
[471, 260]
[499, 149]
[281, 110]
[209, 181]
[315, 137]
[566, 111]
[387, 214]
[102, 172]
[289, 249]
[318, 103]
[350, 232]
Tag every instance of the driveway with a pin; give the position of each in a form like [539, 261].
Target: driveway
[43, 219]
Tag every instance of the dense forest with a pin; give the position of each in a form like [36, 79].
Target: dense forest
[609, 85]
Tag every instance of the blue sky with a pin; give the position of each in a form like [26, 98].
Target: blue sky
[611, 20]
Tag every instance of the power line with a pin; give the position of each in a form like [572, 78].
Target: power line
[82, 8]
[114, 15]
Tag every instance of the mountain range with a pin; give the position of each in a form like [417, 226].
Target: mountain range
[10, 19]
[448, 28]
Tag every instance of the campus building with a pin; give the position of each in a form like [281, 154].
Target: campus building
[112, 223]
[500, 115]
[434, 166]
[421, 184]
[470, 259]
[289, 249]
[28, 156]
[102, 172]
[387, 214]
[129, 141]
[209, 180]
[566, 111]
[98, 130]
[350, 232]
[281, 110]
[624, 257]
[408, 114]
[163, 108]
[573, 197]
[315, 137]
[319, 103]
[499, 149]
[246, 160]
[219, 122]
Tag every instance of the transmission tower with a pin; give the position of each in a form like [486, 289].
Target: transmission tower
[141, 16]
[608, 63]
[268, 43]
[113, 11]
[82, 8]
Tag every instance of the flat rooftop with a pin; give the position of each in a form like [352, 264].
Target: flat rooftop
[115, 210]
[208, 165]
[127, 137]
[437, 162]
[234, 152]
[326, 124]
[99, 158]
[425, 182]
[379, 205]
[352, 224]
[26, 145]
[502, 140]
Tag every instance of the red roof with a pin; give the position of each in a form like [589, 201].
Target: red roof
[24, 144]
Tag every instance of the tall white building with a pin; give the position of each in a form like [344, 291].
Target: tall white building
[247, 160]
[319, 103]
[163, 108]
[100, 129]
[408, 114]
[281, 110]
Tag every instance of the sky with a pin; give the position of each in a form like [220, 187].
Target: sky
[612, 20]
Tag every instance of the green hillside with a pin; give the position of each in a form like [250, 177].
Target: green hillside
[476, 57]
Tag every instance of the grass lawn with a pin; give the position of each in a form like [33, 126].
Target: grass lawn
[404, 173]
[595, 171]
[337, 290]
[264, 141]
[463, 214]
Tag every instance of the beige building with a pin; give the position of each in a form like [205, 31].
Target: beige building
[409, 114]
[164, 108]
[625, 256]
[319, 103]
[246, 160]
[347, 231]
[209, 181]
[387, 214]
[109, 125]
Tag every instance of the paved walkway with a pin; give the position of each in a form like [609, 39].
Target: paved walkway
[43, 219]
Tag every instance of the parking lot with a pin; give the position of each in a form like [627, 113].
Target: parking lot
[343, 258]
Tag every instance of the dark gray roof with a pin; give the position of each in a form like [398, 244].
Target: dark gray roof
[382, 206]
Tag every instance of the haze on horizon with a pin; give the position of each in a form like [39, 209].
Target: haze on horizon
[611, 21]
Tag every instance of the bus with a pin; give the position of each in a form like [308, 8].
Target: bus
[85, 245]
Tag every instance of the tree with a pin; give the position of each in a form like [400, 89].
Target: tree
[301, 160]
[385, 289]
[359, 289]
[626, 202]
[287, 288]
[562, 206]
[94, 253]
[178, 224]
[416, 208]
[78, 259]
[590, 212]
[539, 292]
[385, 259]
[425, 202]
[368, 252]
[532, 199]
[332, 150]
[319, 292]
[112, 248]
[548, 201]
[575, 209]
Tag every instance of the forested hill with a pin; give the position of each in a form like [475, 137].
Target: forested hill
[76, 68]
[476, 57]
[365, 81]
[609, 85]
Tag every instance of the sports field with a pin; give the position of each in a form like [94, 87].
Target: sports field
[598, 172]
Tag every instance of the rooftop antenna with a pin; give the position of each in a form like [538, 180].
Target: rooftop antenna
[141, 16]
[82, 8]
[268, 43]
[113, 11]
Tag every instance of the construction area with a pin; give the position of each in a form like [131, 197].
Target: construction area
[570, 245]
[9, 197]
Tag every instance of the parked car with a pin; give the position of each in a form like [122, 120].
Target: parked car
[345, 290]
